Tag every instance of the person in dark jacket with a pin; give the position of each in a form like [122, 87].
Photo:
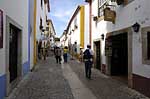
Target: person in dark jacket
[58, 55]
[39, 49]
[88, 60]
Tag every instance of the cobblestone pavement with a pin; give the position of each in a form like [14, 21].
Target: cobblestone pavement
[104, 87]
[46, 82]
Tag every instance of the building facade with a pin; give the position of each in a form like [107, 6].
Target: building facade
[62, 39]
[76, 35]
[14, 43]
[120, 39]
[51, 32]
[39, 18]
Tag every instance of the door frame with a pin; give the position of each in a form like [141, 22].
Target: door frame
[10, 86]
[94, 47]
[129, 42]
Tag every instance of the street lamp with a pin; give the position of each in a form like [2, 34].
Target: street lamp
[136, 27]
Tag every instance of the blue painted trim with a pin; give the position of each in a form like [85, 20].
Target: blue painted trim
[2, 86]
[26, 68]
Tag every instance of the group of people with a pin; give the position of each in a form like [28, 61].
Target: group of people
[43, 48]
[87, 57]
[59, 52]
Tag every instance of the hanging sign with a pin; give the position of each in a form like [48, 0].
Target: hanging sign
[109, 15]
[1, 29]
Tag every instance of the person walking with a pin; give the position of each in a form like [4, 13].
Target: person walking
[44, 50]
[39, 49]
[81, 55]
[65, 54]
[88, 60]
[58, 55]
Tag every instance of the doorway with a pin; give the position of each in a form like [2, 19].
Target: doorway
[98, 55]
[119, 58]
[13, 52]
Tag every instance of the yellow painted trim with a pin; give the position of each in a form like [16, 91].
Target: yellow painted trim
[82, 26]
[35, 8]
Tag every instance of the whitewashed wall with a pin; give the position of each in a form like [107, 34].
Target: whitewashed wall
[86, 26]
[19, 14]
[136, 11]
[40, 14]
[31, 33]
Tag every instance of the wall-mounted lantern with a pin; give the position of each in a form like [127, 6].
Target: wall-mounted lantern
[41, 27]
[43, 30]
[136, 27]
[75, 26]
[95, 18]
[102, 36]
[119, 2]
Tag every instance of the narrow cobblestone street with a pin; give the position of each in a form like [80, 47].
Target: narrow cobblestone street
[46, 82]
[66, 81]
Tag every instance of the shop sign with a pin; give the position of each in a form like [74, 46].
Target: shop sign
[108, 47]
[1, 29]
[109, 15]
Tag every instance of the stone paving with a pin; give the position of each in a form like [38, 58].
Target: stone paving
[45, 82]
[55, 81]
[104, 87]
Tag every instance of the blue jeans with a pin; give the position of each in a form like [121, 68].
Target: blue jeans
[65, 57]
[88, 66]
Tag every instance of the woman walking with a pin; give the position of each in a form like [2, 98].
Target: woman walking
[65, 55]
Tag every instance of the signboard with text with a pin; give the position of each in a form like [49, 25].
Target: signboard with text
[1, 29]
[109, 15]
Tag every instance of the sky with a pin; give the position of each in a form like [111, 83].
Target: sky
[61, 12]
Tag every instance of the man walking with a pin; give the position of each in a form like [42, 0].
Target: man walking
[58, 53]
[88, 59]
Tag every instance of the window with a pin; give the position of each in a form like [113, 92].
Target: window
[101, 6]
[41, 3]
[146, 45]
[75, 23]
[40, 22]
[41, 27]
[46, 18]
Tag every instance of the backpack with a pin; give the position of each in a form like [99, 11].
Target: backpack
[87, 54]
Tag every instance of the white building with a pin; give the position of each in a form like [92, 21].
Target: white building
[124, 52]
[62, 39]
[14, 56]
[77, 29]
[51, 32]
[39, 10]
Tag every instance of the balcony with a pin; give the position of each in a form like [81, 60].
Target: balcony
[40, 27]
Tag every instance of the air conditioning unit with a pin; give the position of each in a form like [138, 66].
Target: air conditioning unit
[119, 2]
[95, 18]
